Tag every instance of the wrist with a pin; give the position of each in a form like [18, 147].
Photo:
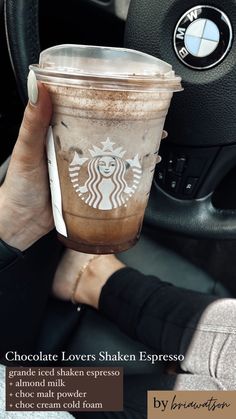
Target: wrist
[94, 278]
[16, 226]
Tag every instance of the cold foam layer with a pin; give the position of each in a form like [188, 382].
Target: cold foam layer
[89, 103]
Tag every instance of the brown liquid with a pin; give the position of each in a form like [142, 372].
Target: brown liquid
[96, 221]
[112, 236]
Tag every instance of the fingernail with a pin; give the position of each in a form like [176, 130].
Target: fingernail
[32, 88]
[159, 159]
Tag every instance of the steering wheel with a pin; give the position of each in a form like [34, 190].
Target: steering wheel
[22, 31]
[201, 147]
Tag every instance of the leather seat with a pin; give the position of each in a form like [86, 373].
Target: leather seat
[149, 257]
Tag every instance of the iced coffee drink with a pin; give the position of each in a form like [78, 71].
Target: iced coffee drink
[103, 143]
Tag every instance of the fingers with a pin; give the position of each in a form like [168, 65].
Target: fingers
[31, 140]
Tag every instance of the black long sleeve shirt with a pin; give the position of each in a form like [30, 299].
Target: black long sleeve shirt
[150, 310]
[25, 286]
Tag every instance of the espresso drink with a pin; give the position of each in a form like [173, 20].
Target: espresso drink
[102, 151]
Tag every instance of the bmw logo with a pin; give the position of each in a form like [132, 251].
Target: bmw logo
[203, 37]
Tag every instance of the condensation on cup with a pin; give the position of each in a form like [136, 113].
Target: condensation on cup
[109, 109]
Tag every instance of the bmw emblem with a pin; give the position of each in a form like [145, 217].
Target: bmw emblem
[203, 37]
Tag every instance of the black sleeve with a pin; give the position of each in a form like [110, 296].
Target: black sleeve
[25, 286]
[150, 310]
[8, 254]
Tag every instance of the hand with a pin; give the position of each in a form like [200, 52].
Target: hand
[25, 207]
[93, 278]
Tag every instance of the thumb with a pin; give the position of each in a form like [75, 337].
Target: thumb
[29, 147]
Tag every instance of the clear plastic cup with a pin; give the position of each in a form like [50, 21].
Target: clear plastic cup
[109, 109]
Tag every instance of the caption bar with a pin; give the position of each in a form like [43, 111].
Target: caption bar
[191, 404]
[59, 388]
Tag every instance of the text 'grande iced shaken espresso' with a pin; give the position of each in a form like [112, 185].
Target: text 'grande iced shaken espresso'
[109, 109]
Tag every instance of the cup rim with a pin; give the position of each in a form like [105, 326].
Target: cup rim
[111, 82]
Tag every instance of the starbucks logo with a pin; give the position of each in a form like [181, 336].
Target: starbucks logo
[106, 186]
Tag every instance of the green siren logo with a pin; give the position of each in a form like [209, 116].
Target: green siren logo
[106, 186]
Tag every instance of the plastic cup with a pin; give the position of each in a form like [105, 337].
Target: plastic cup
[109, 109]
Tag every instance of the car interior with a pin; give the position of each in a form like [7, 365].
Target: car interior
[189, 231]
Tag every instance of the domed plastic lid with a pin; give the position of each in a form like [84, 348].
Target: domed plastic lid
[83, 61]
